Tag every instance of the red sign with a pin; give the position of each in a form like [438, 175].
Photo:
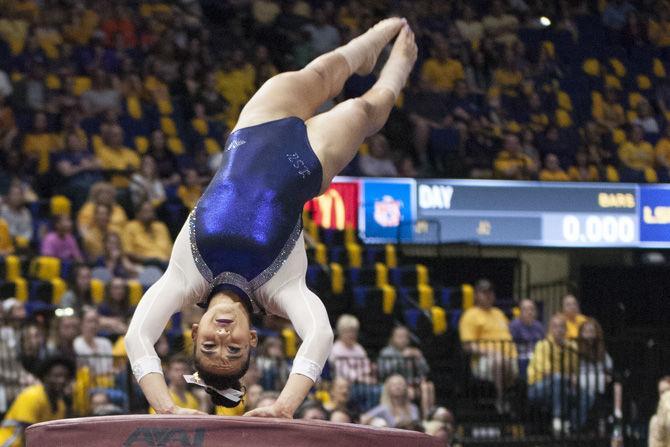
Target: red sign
[337, 208]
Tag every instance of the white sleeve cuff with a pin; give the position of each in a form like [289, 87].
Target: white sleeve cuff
[306, 367]
[146, 365]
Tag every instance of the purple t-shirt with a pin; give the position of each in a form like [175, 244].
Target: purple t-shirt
[525, 336]
[64, 248]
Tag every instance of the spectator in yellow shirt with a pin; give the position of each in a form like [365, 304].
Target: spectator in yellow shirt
[553, 369]
[39, 144]
[552, 171]
[659, 27]
[191, 190]
[582, 170]
[177, 386]
[609, 113]
[440, 72]
[38, 403]
[101, 193]
[573, 316]
[663, 151]
[95, 235]
[121, 161]
[145, 238]
[484, 332]
[636, 153]
[6, 242]
[511, 163]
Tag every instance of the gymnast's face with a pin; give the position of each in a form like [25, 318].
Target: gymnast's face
[224, 337]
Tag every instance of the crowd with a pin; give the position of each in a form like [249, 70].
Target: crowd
[565, 368]
[114, 115]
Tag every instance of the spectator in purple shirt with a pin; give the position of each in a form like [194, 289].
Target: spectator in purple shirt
[60, 242]
[526, 330]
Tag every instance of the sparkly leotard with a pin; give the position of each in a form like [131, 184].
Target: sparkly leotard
[249, 218]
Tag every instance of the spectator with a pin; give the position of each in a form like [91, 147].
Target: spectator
[6, 242]
[79, 288]
[190, 191]
[338, 396]
[469, 28]
[526, 330]
[39, 144]
[484, 332]
[311, 410]
[615, 14]
[66, 329]
[609, 113]
[177, 367]
[659, 27]
[8, 129]
[32, 349]
[350, 361]
[511, 163]
[500, 26]
[552, 370]
[115, 158]
[324, 37]
[252, 396]
[573, 317]
[146, 185]
[17, 216]
[659, 425]
[595, 365]
[115, 310]
[99, 399]
[440, 72]
[60, 242]
[646, 119]
[272, 363]
[166, 162]
[101, 193]
[552, 171]
[377, 163]
[102, 97]
[341, 417]
[95, 235]
[41, 402]
[583, 170]
[398, 357]
[95, 351]
[439, 431]
[146, 239]
[395, 406]
[79, 169]
[114, 262]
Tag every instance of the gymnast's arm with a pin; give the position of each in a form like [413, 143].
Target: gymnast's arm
[310, 320]
[151, 316]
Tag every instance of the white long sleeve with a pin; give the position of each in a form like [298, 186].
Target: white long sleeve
[181, 284]
[287, 295]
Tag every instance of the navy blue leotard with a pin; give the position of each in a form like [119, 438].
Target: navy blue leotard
[248, 219]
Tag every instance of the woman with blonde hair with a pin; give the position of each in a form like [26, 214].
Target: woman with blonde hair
[395, 406]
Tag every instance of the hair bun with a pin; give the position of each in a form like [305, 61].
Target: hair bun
[221, 401]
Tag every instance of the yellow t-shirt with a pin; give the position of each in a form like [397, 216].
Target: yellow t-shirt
[638, 156]
[506, 161]
[86, 215]
[546, 360]
[30, 407]
[554, 176]
[663, 149]
[6, 243]
[592, 174]
[189, 195]
[484, 324]
[154, 242]
[118, 159]
[572, 326]
[235, 411]
[507, 78]
[41, 146]
[189, 401]
[659, 33]
[441, 76]
[237, 86]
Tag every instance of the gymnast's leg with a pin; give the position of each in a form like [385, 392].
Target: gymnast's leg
[301, 93]
[337, 134]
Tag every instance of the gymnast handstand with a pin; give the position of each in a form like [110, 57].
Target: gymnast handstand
[241, 250]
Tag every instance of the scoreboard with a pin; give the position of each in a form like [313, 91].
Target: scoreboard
[491, 212]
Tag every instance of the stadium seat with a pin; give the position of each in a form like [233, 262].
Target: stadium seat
[45, 268]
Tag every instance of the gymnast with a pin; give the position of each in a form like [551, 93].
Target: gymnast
[241, 251]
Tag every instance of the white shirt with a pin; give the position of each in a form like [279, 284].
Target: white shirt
[100, 360]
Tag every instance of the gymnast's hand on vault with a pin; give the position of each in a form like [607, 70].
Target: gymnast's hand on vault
[186, 412]
[271, 411]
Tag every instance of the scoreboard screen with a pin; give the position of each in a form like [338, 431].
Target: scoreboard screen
[514, 213]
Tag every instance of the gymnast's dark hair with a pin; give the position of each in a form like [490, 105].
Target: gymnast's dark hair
[221, 382]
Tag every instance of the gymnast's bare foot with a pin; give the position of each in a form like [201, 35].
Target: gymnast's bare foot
[363, 51]
[399, 64]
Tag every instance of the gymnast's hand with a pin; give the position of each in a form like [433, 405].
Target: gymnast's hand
[272, 411]
[186, 412]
